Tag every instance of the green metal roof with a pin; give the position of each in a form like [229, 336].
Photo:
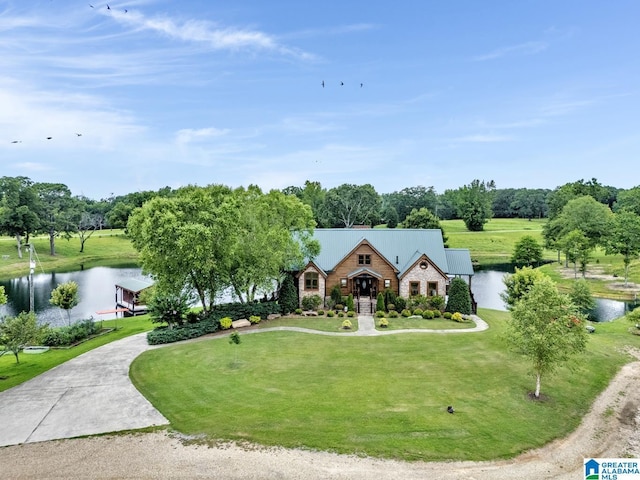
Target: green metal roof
[133, 284]
[399, 246]
[459, 261]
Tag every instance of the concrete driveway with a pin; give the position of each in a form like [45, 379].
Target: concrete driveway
[88, 395]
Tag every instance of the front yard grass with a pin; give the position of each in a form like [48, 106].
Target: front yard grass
[381, 396]
[322, 323]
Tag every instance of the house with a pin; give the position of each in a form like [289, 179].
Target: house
[367, 261]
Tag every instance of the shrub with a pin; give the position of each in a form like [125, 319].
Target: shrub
[393, 314]
[320, 312]
[457, 317]
[418, 301]
[401, 303]
[437, 313]
[391, 307]
[311, 302]
[459, 297]
[168, 307]
[341, 314]
[379, 314]
[225, 323]
[254, 319]
[288, 295]
[245, 310]
[380, 302]
[336, 295]
[383, 322]
[351, 314]
[346, 324]
[66, 336]
[427, 314]
[330, 313]
[339, 307]
[437, 302]
[418, 312]
[164, 335]
[298, 311]
[389, 298]
[350, 304]
[447, 315]
[405, 313]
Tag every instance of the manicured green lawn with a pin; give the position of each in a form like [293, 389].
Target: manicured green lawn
[381, 396]
[104, 248]
[12, 374]
[402, 323]
[322, 323]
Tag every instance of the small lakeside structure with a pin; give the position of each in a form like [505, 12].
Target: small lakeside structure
[128, 296]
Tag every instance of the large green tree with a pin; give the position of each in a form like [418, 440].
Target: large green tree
[518, 284]
[349, 205]
[473, 204]
[624, 238]
[59, 212]
[527, 251]
[19, 209]
[423, 218]
[546, 328]
[628, 200]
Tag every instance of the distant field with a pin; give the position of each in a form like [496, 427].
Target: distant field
[104, 248]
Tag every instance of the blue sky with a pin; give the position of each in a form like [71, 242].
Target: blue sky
[169, 93]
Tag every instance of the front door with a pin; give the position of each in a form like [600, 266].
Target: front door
[365, 285]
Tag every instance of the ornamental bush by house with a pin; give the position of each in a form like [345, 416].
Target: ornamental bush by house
[457, 317]
[330, 313]
[447, 315]
[311, 302]
[346, 324]
[298, 311]
[405, 313]
[336, 295]
[459, 297]
[253, 319]
[350, 305]
[384, 323]
[393, 314]
[437, 313]
[401, 303]
[351, 314]
[379, 314]
[288, 296]
[380, 302]
[320, 312]
[437, 302]
[418, 312]
[427, 314]
[391, 307]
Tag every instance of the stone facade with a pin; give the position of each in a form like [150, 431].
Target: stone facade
[423, 276]
[303, 292]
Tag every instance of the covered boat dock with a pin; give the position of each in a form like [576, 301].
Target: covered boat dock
[128, 296]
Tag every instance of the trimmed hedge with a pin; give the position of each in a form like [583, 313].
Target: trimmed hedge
[245, 310]
[67, 336]
[184, 332]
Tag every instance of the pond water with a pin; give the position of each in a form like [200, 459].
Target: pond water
[96, 291]
[487, 286]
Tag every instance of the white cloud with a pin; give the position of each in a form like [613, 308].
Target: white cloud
[483, 138]
[528, 48]
[188, 135]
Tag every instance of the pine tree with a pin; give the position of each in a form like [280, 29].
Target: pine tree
[288, 298]
[459, 297]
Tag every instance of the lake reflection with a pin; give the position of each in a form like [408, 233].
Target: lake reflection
[487, 285]
[96, 289]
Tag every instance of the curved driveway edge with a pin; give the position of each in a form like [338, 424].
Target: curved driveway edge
[93, 394]
[88, 395]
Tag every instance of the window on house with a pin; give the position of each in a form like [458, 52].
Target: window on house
[343, 282]
[387, 283]
[364, 259]
[432, 289]
[414, 288]
[311, 281]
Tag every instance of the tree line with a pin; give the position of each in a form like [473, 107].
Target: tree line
[28, 208]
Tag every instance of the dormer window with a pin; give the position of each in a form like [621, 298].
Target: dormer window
[364, 259]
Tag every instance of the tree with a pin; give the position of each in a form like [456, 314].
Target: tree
[349, 205]
[527, 252]
[19, 207]
[65, 296]
[577, 248]
[624, 238]
[580, 296]
[411, 198]
[168, 307]
[459, 297]
[587, 215]
[628, 200]
[3, 296]
[390, 217]
[59, 212]
[19, 332]
[518, 284]
[473, 204]
[288, 296]
[423, 218]
[546, 328]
